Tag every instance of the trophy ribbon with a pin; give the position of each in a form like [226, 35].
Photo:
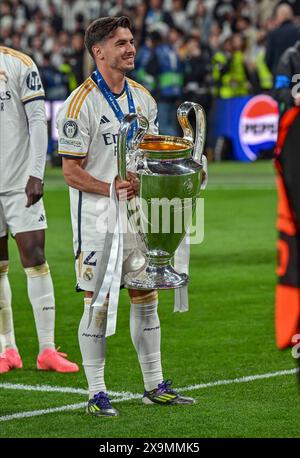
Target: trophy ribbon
[109, 276]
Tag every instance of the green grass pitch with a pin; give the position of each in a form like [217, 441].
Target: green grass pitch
[227, 334]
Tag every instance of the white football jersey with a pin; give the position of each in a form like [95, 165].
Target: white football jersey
[20, 83]
[88, 129]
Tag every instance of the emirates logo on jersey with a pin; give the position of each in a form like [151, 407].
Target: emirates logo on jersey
[4, 93]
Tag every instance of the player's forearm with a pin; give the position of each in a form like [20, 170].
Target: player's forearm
[78, 178]
[37, 123]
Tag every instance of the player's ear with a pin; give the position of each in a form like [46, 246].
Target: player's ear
[97, 51]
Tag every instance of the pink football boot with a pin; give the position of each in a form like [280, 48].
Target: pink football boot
[53, 360]
[10, 359]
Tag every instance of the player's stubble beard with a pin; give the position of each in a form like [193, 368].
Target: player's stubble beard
[116, 64]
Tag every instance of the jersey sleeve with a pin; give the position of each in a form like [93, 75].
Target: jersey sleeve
[30, 84]
[153, 116]
[73, 133]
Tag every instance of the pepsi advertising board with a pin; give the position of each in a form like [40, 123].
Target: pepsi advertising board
[250, 123]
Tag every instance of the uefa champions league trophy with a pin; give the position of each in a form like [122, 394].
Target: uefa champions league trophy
[170, 172]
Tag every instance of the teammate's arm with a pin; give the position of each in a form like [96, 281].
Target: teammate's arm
[77, 177]
[37, 123]
[32, 96]
[282, 91]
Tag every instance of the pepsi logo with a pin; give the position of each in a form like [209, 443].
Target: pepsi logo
[258, 125]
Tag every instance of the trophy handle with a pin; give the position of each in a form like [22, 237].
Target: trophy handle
[143, 126]
[188, 134]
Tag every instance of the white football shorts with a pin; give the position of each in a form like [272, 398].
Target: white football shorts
[88, 263]
[16, 218]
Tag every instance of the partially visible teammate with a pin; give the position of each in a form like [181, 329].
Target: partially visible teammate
[23, 147]
[287, 162]
[88, 125]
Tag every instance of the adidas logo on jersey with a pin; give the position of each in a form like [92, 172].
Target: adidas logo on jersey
[41, 218]
[104, 120]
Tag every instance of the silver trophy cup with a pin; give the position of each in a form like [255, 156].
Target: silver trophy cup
[170, 172]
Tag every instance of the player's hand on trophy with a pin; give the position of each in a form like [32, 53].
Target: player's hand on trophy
[34, 190]
[124, 189]
[134, 181]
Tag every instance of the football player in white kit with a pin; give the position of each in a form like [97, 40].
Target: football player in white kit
[23, 147]
[88, 125]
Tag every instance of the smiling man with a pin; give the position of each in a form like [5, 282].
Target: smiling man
[88, 125]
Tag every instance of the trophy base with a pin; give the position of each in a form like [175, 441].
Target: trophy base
[155, 277]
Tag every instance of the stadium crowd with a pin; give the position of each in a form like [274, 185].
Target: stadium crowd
[186, 49]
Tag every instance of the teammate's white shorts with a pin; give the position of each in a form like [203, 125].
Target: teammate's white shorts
[16, 218]
[88, 263]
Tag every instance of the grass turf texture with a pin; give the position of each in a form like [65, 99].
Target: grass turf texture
[227, 333]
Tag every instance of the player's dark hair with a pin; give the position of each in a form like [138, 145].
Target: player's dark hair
[103, 28]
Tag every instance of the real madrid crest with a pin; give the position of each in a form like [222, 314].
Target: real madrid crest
[88, 274]
[70, 129]
[3, 76]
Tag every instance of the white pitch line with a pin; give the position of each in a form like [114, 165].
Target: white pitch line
[124, 396]
[34, 413]
[47, 388]
[249, 378]
[58, 389]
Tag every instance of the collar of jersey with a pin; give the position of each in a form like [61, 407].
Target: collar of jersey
[117, 96]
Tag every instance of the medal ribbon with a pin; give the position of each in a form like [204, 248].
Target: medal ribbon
[113, 103]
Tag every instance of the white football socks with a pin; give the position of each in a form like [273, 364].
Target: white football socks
[92, 342]
[7, 335]
[41, 296]
[145, 335]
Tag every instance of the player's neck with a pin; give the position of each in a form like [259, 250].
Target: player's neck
[114, 79]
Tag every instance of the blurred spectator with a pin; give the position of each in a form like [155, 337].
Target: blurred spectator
[264, 77]
[55, 19]
[36, 47]
[197, 74]
[266, 10]
[16, 41]
[142, 58]
[166, 69]
[54, 82]
[155, 14]
[118, 9]
[230, 74]
[201, 18]
[179, 15]
[77, 59]
[79, 24]
[214, 38]
[294, 4]
[70, 10]
[223, 11]
[282, 37]
[176, 39]
[66, 69]
[49, 37]
[138, 20]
